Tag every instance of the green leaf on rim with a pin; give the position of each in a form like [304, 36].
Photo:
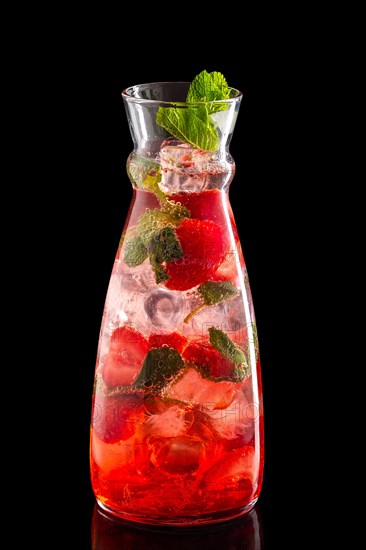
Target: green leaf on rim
[192, 124]
[187, 125]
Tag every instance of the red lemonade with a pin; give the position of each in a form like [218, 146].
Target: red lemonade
[177, 413]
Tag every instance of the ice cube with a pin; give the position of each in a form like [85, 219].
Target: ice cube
[236, 423]
[126, 298]
[174, 422]
[186, 168]
[125, 291]
[164, 309]
[178, 455]
[185, 159]
[192, 388]
[228, 316]
[209, 316]
[111, 456]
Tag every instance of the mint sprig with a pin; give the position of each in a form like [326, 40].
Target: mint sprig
[154, 238]
[213, 293]
[193, 124]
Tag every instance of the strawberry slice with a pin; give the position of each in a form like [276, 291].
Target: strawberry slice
[172, 340]
[128, 349]
[208, 205]
[115, 417]
[231, 269]
[204, 245]
[205, 356]
[116, 372]
[128, 339]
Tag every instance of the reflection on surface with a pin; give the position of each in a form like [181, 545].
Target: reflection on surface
[245, 533]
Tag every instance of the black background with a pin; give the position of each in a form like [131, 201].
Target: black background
[272, 198]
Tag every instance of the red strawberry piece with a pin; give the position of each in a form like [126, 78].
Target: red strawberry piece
[212, 205]
[172, 340]
[205, 356]
[115, 416]
[178, 455]
[127, 352]
[128, 339]
[116, 372]
[204, 245]
[230, 270]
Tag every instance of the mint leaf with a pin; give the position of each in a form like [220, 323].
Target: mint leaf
[176, 210]
[152, 221]
[135, 252]
[164, 246]
[213, 293]
[159, 272]
[209, 87]
[190, 126]
[154, 237]
[159, 368]
[239, 373]
[193, 124]
[143, 172]
[226, 347]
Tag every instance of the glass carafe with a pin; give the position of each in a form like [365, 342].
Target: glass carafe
[177, 414]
